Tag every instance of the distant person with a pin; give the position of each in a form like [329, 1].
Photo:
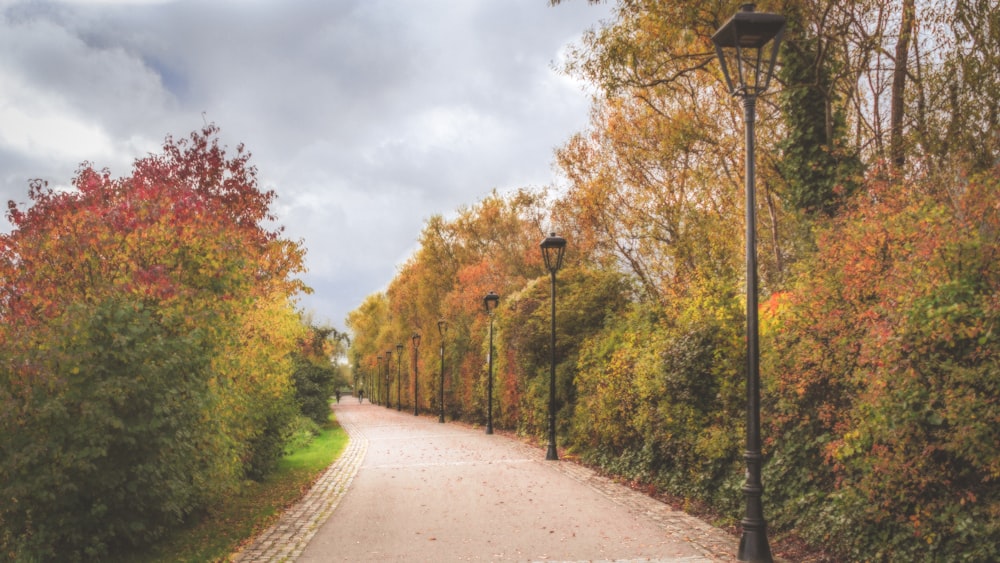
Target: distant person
[361, 396]
[338, 396]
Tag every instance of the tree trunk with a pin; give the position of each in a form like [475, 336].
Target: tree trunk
[896, 151]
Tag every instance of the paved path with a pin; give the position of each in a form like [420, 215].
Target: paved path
[411, 489]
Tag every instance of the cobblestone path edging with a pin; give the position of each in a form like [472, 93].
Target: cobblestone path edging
[713, 542]
[285, 540]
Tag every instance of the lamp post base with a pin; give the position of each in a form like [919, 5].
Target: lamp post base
[551, 454]
[753, 544]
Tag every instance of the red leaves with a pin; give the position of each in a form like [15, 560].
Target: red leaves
[188, 220]
[142, 298]
[885, 355]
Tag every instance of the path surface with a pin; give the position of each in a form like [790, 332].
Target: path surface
[411, 489]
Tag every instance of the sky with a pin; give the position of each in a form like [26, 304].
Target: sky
[366, 117]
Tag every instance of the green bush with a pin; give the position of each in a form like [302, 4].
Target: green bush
[658, 401]
[314, 385]
[585, 300]
[106, 436]
[300, 433]
[266, 447]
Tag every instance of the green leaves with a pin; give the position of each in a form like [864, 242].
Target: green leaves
[145, 350]
[100, 431]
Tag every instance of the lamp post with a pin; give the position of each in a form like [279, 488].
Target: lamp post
[416, 382]
[378, 378]
[553, 248]
[490, 302]
[745, 36]
[388, 379]
[399, 380]
[442, 329]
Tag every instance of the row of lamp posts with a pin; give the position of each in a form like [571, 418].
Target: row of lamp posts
[379, 385]
[742, 40]
[553, 248]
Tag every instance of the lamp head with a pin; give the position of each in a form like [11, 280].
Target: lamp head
[745, 37]
[491, 301]
[399, 349]
[442, 326]
[416, 339]
[553, 248]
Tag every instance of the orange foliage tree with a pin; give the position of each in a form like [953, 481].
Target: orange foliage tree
[148, 322]
[885, 376]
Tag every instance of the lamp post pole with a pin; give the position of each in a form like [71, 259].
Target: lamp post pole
[399, 379]
[553, 248]
[442, 329]
[378, 378]
[416, 365]
[747, 33]
[388, 379]
[490, 302]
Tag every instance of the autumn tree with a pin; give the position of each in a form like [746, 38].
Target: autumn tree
[489, 246]
[148, 325]
[867, 93]
[881, 396]
[316, 378]
[365, 324]
[877, 148]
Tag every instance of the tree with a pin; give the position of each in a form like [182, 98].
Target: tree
[148, 326]
[899, 79]
[315, 376]
[880, 396]
[819, 170]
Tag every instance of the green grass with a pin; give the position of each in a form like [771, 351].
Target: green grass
[238, 517]
[317, 455]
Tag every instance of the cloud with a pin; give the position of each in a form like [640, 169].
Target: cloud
[365, 116]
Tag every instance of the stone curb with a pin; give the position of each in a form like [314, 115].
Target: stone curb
[714, 543]
[285, 540]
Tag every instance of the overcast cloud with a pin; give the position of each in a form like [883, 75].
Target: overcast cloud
[365, 116]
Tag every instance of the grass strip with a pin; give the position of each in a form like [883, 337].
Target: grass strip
[240, 516]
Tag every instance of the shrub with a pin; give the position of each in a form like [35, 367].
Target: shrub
[106, 433]
[885, 378]
[314, 385]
